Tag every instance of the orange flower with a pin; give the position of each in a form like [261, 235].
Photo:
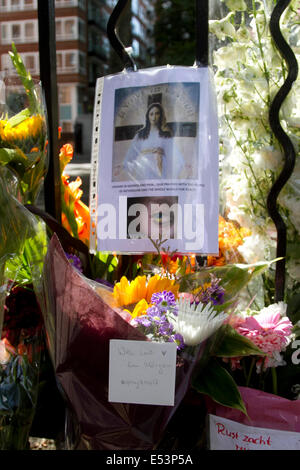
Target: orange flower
[172, 263]
[71, 197]
[65, 156]
[230, 238]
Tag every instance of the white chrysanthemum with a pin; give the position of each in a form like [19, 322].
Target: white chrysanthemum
[195, 322]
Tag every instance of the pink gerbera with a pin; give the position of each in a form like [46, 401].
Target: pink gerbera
[268, 330]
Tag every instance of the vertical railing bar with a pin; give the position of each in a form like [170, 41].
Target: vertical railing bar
[202, 29]
[47, 53]
[286, 145]
[114, 40]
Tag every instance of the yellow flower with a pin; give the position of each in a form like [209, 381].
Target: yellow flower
[139, 309]
[202, 288]
[30, 127]
[127, 293]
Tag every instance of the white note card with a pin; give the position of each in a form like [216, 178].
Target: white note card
[225, 434]
[142, 372]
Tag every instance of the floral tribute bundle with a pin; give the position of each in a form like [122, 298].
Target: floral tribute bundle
[164, 297]
[23, 164]
[82, 317]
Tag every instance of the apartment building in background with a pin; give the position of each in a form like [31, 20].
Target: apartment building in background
[83, 51]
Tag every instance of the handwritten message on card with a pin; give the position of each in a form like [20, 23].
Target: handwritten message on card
[142, 372]
[225, 434]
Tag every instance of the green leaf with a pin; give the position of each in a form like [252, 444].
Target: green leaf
[229, 343]
[20, 117]
[218, 384]
[234, 277]
[9, 155]
[26, 79]
[102, 264]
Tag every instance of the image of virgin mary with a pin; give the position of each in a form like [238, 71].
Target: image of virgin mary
[153, 153]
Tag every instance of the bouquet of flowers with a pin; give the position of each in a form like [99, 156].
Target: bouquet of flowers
[20, 350]
[23, 163]
[23, 130]
[82, 317]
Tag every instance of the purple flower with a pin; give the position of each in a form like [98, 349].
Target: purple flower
[155, 315]
[164, 300]
[165, 328]
[214, 293]
[144, 321]
[75, 261]
[178, 339]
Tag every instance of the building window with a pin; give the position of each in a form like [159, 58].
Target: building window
[81, 30]
[136, 48]
[136, 26]
[29, 30]
[29, 61]
[19, 32]
[3, 32]
[65, 95]
[70, 59]
[15, 4]
[65, 112]
[59, 62]
[66, 126]
[135, 6]
[82, 63]
[69, 28]
[16, 31]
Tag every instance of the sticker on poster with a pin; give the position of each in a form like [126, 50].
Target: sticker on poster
[155, 161]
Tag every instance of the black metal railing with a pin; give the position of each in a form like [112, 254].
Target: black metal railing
[48, 76]
[285, 142]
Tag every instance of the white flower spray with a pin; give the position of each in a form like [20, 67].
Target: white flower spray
[197, 322]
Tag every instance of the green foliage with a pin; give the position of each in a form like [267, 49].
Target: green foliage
[28, 83]
[29, 262]
[174, 32]
[103, 266]
[234, 277]
[217, 383]
[228, 343]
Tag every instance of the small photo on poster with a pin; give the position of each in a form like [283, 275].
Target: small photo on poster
[152, 217]
[155, 132]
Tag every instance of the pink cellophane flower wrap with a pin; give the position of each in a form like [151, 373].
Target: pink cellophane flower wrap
[79, 325]
[265, 410]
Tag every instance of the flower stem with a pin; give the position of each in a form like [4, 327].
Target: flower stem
[250, 371]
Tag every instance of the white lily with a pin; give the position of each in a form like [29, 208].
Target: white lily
[195, 322]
